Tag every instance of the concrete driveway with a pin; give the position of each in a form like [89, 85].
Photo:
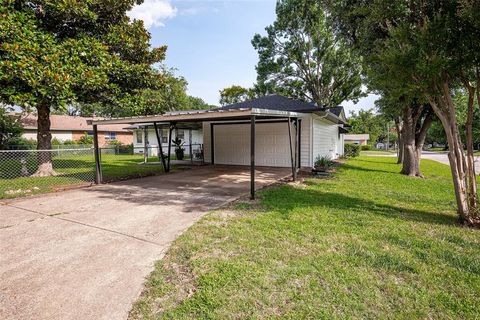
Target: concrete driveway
[84, 254]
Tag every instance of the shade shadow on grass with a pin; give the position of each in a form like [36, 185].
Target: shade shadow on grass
[351, 167]
[307, 198]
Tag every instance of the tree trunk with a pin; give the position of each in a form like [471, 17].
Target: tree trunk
[409, 164]
[445, 110]
[470, 160]
[420, 137]
[399, 127]
[44, 143]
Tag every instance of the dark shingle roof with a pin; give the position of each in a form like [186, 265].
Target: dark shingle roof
[275, 102]
[336, 110]
[281, 103]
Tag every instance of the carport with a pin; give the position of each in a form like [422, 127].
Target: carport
[226, 117]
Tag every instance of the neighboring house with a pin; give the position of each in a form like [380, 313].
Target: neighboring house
[190, 135]
[63, 127]
[359, 139]
[321, 134]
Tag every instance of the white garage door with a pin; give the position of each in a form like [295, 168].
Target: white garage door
[232, 144]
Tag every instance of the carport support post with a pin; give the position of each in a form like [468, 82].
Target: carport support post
[190, 148]
[252, 158]
[145, 144]
[212, 144]
[98, 165]
[296, 149]
[299, 143]
[160, 148]
[292, 159]
[169, 145]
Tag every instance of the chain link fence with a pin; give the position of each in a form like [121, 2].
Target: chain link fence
[22, 172]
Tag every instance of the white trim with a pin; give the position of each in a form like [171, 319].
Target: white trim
[199, 115]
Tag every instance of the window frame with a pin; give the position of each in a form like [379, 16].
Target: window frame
[139, 134]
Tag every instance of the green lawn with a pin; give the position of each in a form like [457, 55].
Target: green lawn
[368, 243]
[72, 171]
[378, 152]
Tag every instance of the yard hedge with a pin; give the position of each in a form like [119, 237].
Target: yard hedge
[352, 150]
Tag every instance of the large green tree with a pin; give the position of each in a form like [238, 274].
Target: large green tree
[301, 57]
[196, 103]
[365, 121]
[431, 48]
[235, 94]
[170, 95]
[54, 53]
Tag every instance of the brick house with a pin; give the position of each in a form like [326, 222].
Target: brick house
[65, 127]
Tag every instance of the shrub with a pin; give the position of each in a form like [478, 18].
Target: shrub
[120, 147]
[352, 150]
[86, 139]
[69, 142]
[21, 143]
[366, 147]
[56, 142]
[114, 142]
[125, 148]
[323, 163]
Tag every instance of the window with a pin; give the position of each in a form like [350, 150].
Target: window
[110, 135]
[139, 137]
[164, 133]
[181, 134]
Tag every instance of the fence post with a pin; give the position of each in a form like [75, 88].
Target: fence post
[98, 165]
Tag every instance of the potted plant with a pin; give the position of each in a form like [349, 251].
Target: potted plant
[179, 150]
[323, 163]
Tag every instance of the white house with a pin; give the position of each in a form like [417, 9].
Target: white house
[320, 129]
[270, 131]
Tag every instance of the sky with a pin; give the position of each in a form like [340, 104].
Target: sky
[209, 42]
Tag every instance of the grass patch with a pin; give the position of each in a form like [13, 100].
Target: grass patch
[369, 243]
[378, 152]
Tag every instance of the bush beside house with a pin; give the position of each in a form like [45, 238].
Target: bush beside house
[351, 150]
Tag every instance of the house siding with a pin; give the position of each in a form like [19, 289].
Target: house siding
[326, 141]
[59, 135]
[305, 142]
[123, 137]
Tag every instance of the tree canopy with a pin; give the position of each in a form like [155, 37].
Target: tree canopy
[365, 121]
[55, 53]
[302, 58]
[235, 94]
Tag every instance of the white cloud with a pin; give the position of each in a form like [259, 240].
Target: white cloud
[192, 11]
[153, 12]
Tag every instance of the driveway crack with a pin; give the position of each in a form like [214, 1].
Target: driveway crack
[58, 216]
